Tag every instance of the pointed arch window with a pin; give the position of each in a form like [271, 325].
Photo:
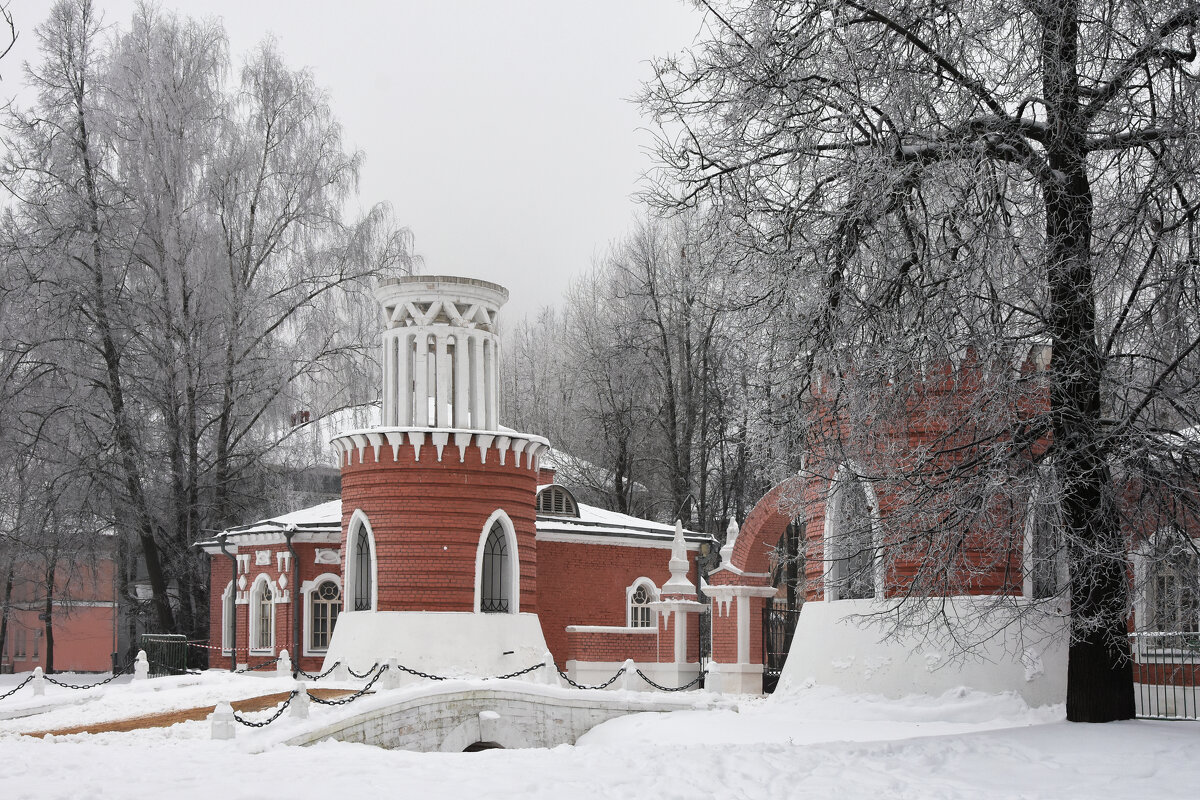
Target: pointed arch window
[362, 570]
[853, 566]
[496, 578]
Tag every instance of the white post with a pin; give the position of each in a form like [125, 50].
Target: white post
[39, 682]
[341, 672]
[222, 721]
[141, 667]
[391, 678]
[627, 680]
[284, 665]
[551, 677]
[299, 707]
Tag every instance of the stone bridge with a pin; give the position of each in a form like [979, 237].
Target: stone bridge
[454, 719]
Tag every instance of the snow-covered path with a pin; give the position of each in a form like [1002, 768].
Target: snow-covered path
[817, 743]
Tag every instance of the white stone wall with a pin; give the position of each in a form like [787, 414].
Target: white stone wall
[830, 647]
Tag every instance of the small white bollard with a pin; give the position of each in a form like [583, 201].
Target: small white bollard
[551, 677]
[284, 665]
[341, 671]
[629, 679]
[141, 667]
[299, 707]
[39, 681]
[391, 677]
[222, 721]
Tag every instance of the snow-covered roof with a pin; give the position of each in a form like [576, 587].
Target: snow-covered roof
[319, 523]
[600, 523]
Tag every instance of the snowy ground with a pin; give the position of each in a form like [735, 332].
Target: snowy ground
[816, 743]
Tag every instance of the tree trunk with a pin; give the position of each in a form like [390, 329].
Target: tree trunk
[48, 614]
[1099, 669]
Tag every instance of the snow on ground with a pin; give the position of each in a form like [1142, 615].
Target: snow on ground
[817, 742]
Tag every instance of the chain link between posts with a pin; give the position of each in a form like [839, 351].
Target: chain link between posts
[16, 688]
[341, 701]
[661, 688]
[372, 668]
[274, 716]
[320, 675]
[116, 674]
[604, 685]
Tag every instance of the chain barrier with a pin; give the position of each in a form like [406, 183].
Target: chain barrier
[272, 662]
[116, 674]
[320, 675]
[604, 685]
[685, 687]
[16, 688]
[274, 716]
[525, 671]
[366, 674]
[350, 698]
[420, 674]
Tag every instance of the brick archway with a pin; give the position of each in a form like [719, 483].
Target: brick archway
[765, 523]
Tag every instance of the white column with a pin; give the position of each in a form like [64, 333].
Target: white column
[476, 364]
[389, 384]
[461, 379]
[494, 383]
[486, 374]
[421, 374]
[442, 402]
[403, 382]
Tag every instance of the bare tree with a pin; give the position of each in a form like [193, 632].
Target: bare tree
[942, 176]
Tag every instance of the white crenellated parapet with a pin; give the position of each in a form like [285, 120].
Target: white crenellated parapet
[439, 444]
[441, 352]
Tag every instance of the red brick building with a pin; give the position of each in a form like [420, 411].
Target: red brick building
[452, 549]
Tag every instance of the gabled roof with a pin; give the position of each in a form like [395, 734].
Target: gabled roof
[612, 527]
[321, 523]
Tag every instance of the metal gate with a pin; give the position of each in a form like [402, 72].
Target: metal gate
[166, 652]
[779, 625]
[1166, 674]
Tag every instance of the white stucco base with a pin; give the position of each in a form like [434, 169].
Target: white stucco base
[450, 644]
[830, 647]
[734, 678]
[594, 673]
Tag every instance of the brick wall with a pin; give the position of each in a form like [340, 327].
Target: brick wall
[428, 517]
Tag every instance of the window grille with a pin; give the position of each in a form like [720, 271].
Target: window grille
[1174, 597]
[640, 613]
[557, 501]
[325, 601]
[494, 596]
[362, 572]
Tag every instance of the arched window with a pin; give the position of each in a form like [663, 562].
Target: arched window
[556, 501]
[324, 601]
[360, 592]
[228, 618]
[262, 616]
[639, 596]
[496, 581]
[1045, 559]
[851, 552]
[362, 572]
[1167, 570]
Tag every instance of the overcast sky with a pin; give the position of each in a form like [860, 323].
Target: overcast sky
[499, 130]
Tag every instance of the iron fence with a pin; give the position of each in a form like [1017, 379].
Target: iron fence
[1166, 671]
[779, 625]
[166, 652]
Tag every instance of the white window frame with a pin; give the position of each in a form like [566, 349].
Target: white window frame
[1141, 578]
[228, 617]
[1046, 473]
[358, 520]
[306, 590]
[514, 560]
[829, 546]
[651, 590]
[261, 584]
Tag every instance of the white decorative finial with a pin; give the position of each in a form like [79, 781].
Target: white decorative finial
[731, 534]
[679, 583]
